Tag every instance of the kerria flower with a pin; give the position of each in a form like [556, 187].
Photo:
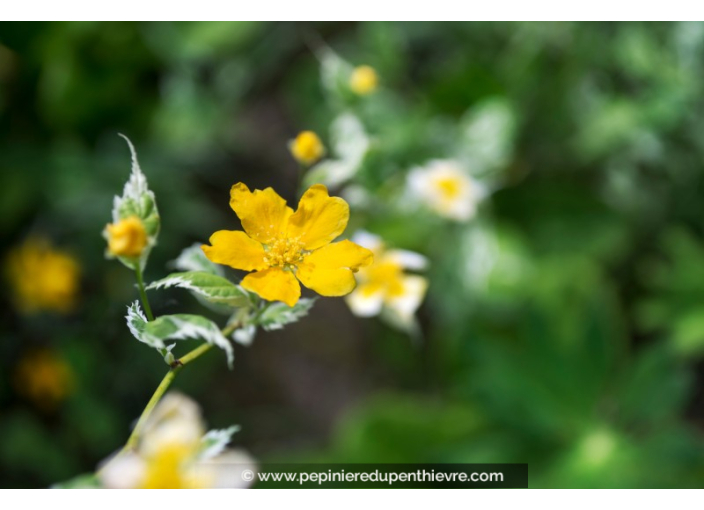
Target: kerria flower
[283, 247]
[45, 378]
[174, 452]
[385, 287]
[42, 277]
[447, 189]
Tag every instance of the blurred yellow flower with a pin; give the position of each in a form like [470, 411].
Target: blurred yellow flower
[307, 148]
[364, 80]
[280, 245]
[45, 378]
[175, 453]
[126, 238]
[384, 286]
[42, 278]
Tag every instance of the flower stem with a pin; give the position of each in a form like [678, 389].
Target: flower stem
[142, 291]
[164, 385]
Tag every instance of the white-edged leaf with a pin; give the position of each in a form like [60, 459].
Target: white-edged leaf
[193, 259]
[212, 287]
[214, 442]
[277, 315]
[176, 327]
[245, 335]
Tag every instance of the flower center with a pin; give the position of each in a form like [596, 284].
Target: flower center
[449, 187]
[284, 252]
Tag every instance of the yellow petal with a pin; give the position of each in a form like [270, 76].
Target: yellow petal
[274, 284]
[236, 249]
[319, 218]
[330, 270]
[263, 213]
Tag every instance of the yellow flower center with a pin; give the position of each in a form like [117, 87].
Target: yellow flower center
[284, 252]
[386, 276]
[127, 238]
[449, 187]
[168, 469]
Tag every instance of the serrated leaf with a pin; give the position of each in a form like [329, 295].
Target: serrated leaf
[137, 200]
[193, 259]
[215, 441]
[277, 315]
[176, 327]
[213, 288]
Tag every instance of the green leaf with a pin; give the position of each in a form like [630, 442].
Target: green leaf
[213, 288]
[193, 259]
[84, 481]
[215, 441]
[277, 315]
[137, 200]
[175, 327]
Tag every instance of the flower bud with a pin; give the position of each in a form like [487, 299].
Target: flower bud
[127, 238]
[364, 80]
[307, 148]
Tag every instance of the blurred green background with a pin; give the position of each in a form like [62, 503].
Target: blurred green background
[563, 328]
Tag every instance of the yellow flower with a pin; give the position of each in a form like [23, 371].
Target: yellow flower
[173, 454]
[44, 378]
[307, 148]
[364, 80]
[126, 238]
[384, 286]
[281, 245]
[42, 277]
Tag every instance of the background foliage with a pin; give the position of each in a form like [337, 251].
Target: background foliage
[563, 328]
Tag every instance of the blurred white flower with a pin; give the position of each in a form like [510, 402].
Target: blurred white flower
[446, 188]
[174, 452]
[384, 287]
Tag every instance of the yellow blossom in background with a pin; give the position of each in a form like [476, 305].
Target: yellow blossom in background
[283, 247]
[363, 80]
[126, 238]
[42, 277]
[44, 378]
[444, 187]
[307, 148]
[385, 287]
[173, 453]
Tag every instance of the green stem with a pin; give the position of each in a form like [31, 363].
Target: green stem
[164, 385]
[143, 292]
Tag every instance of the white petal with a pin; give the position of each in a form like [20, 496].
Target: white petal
[125, 471]
[226, 471]
[363, 304]
[408, 259]
[368, 240]
[175, 420]
[405, 305]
